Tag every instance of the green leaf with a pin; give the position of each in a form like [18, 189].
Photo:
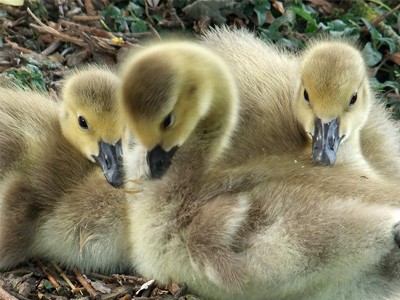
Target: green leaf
[261, 15]
[261, 7]
[372, 56]
[389, 42]
[135, 9]
[312, 25]
[138, 26]
[27, 78]
[158, 17]
[111, 12]
[375, 35]
[278, 23]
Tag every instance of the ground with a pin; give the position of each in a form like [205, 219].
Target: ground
[42, 40]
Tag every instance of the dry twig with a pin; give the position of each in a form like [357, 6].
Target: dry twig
[44, 28]
[87, 18]
[5, 295]
[91, 30]
[64, 276]
[379, 19]
[89, 7]
[52, 280]
[153, 31]
[22, 49]
[82, 280]
[52, 47]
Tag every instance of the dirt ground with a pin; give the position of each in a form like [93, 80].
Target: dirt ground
[40, 42]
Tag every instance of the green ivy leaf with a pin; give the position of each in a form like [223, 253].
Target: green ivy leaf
[261, 7]
[29, 77]
[138, 25]
[372, 56]
[135, 9]
[312, 25]
[389, 42]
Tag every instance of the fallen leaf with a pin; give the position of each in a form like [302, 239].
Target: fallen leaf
[325, 5]
[173, 287]
[100, 287]
[395, 58]
[270, 18]
[145, 286]
[153, 3]
[278, 6]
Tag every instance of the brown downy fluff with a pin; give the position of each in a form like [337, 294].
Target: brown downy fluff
[272, 226]
[50, 186]
[276, 116]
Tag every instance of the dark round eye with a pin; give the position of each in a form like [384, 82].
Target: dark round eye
[306, 98]
[82, 123]
[353, 99]
[168, 121]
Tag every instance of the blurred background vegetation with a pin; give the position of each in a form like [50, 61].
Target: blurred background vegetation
[42, 39]
[79, 31]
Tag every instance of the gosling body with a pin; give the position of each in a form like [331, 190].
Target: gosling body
[49, 173]
[273, 227]
[272, 86]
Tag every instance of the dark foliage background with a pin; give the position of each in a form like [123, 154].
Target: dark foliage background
[41, 40]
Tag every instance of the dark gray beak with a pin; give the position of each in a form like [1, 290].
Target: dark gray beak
[111, 162]
[159, 160]
[325, 142]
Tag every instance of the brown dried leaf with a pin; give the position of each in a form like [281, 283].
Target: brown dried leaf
[278, 6]
[173, 287]
[100, 287]
[269, 18]
[395, 58]
[323, 4]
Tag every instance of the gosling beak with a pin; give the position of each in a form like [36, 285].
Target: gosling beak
[325, 142]
[159, 160]
[110, 161]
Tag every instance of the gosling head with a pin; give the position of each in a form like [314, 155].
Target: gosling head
[90, 119]
[333, 100]
[167, 89]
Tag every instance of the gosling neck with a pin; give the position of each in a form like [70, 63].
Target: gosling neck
[213, 134]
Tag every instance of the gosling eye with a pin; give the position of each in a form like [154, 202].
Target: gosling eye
[168, 121]
[82, 123]
[353, 99]
[306, 98]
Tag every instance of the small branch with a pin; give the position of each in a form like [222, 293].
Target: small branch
[87, 18]
[22, 49]
[91, 30]
[103, 277]
[59, 35]
[52, 280]
[5, 295]
[64, 276]
[82, 280]
[146, 10]
[376, 69]
[52, 47]
[121, 291]
[126, 297]
[153, 31]
[379, 19]
[89, 8]
[129, 278]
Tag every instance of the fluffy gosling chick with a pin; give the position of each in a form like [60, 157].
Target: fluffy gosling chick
[50, 148]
